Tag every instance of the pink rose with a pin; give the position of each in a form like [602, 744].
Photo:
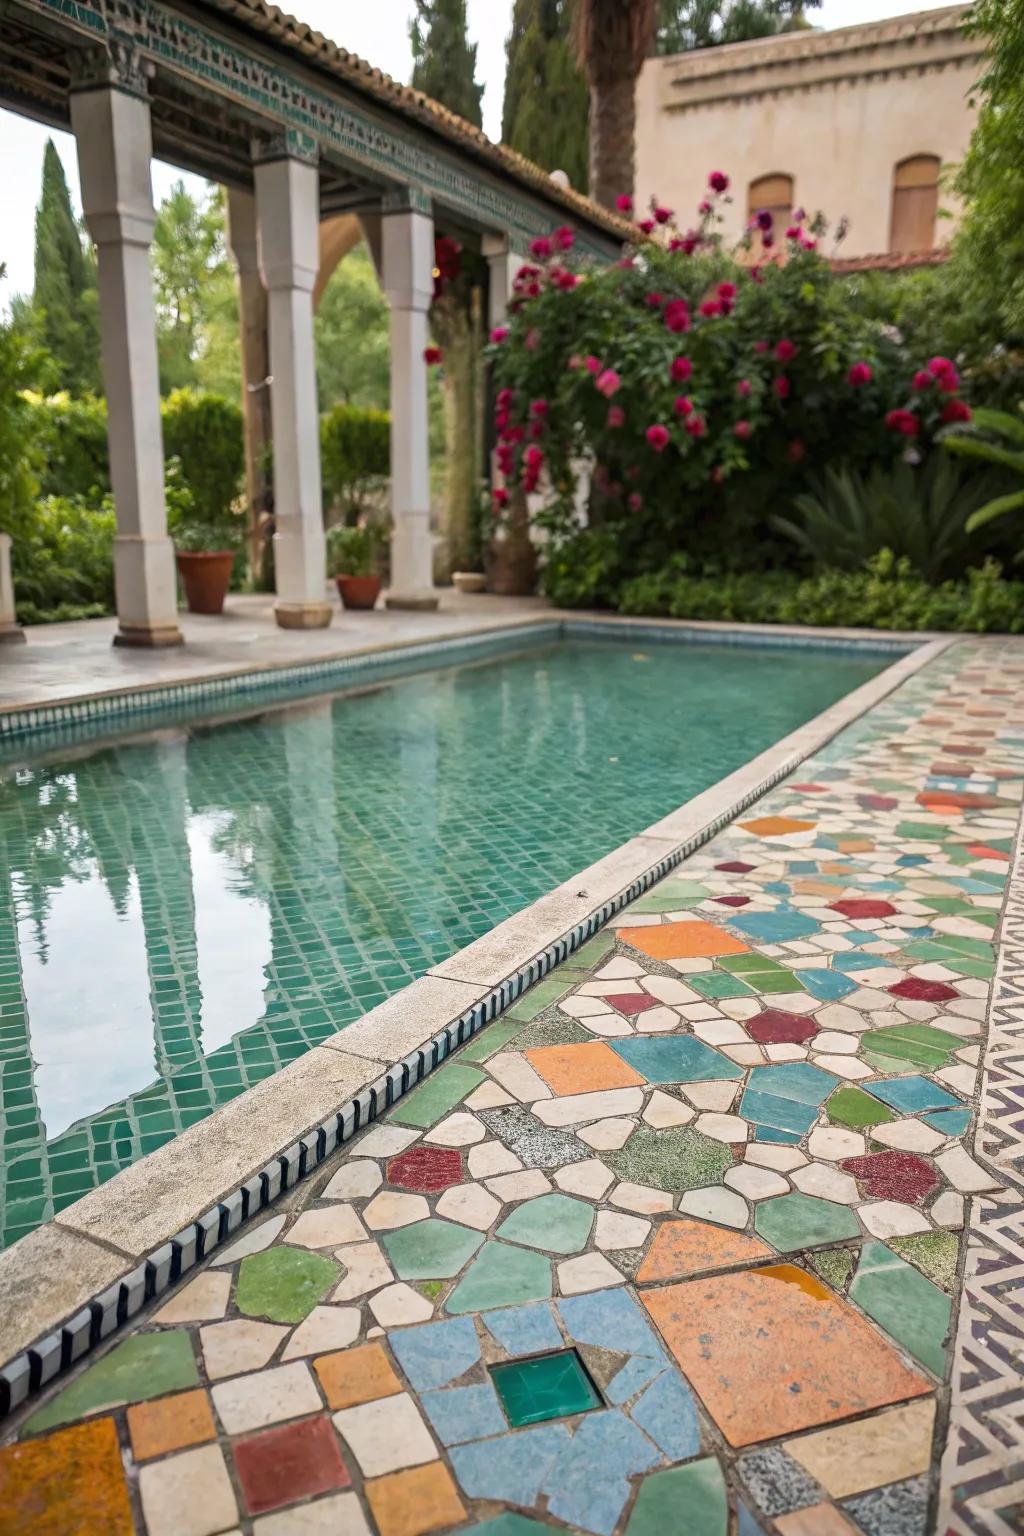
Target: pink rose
[742, 430]
[499, 334]
[922, 380]
[696, 426]
[539, 408]
[860, 373]
[785, 351]
[540, 248]
[616, 416]
[781, 386]
[743, 388]
[592, 364]
[681, 370]
[682, 405]
[658, 438]
[634, 501]
[564, 238]
[609, 383]
[624, 203]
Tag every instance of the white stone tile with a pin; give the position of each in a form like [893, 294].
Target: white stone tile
[339, 1515]
[254, 1240]
[712, 1095]
[640, 1198]
[765, 1155]
[517, 1077]
[668, 990]
[692, 966]
[578, 1108]
[384, 1141]
[826, 1183]
[325, 1329]
[963, 1172]
[400, 1304]
[582, 1006]
[890, 1218]
[240, 1345]
[390, 1209]
[607, 1135]
[614, 1230]
[948, 1210]
[488, 1096]
[491, 1158]
[590, 1179]
[755, 1183]
[786, 1051]
[960, 1078]
[387, 1435]
[366, 1269]
[617, 968]
[609, 1026]
[849, 1067]
[908, 1136]
[743, 1055]
[663, 1110]
[188, 1495]
[265, 1397]
[203, 1298]
[842, 1017]
[728, 1128]
[656, 1021]
[721, 1032]
[469, 1204]
[357, 1180]
[834, 1143]
[722, 1206]
[739, 1007]
[512, 1187]
[833, 1040]
[328, 1227]
[588, 1272]
[458, 1130]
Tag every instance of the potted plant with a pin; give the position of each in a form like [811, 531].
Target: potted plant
[352, 561]
[205, 561]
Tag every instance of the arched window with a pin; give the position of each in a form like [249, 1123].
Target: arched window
[775, 194]
[915, 203]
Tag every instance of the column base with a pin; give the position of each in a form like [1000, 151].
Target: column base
[303, 615]
[159, 637]
[12, 634]
[424, 601]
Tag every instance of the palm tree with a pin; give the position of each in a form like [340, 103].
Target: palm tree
[613, 37]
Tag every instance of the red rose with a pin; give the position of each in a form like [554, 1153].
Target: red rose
[796, 451]
[743, 388]
[718, 181]
[904, 422]
[564, 238]
[647, 225]
[616, 416]
[682, 405]
[432, 356]
[654, 300]
[634, 501]
[540, 248]
[742, 430]
[727, 291]
[710, 308]
[499, 498]
[592, 364]
[681, 370]
[782, 387]
[677, 316]
[860, 373]
[956, 410]
[662, 215]
[696, 426]
[505, 398]
[760, 346]
[658, 438]
[624, 203]
[539, 408]
[922, 380]
[499, 334]
[533, 457]
[785, 351]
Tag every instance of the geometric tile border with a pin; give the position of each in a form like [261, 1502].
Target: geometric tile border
[982, 1480]
[105, 1313]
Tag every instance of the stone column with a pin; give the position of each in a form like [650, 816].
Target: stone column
[407, 262]
[10, 629]
[503, 264]
[110, 119]
[253, 336]
[288, 224]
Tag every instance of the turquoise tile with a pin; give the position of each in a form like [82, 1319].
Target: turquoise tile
[550, 1387]
[912, 1095]
[675, 1059]
[906, 1304]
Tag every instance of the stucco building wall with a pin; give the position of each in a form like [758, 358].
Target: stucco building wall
[837, 111]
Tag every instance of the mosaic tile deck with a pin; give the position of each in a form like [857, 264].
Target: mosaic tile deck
[676, 1253]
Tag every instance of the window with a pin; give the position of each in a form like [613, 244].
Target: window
[775, 195]
[915, 203]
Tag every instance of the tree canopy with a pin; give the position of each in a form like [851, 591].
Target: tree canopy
[546, 98]
[686, 24]
[64, 310]
[444, 61]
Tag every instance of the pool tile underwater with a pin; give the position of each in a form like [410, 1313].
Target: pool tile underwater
[749, 1203]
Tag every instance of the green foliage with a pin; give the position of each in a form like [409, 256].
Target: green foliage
[353, 347]
[547, 103]
[65, 301]
[18, 454]
[63, 561]
[1007, 453]
[355, 456]
[194, 283]
[686, 24]
[444, 63]
[353, 551]
[72, 435]
[917, 511]
[204, 432]
[886, 595]
[586, 571]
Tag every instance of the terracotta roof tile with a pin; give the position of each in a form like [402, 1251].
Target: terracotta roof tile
[891, 261]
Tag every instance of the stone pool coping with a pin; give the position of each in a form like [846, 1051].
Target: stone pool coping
[72, 1283]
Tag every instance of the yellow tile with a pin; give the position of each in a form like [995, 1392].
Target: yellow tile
[884, 1449]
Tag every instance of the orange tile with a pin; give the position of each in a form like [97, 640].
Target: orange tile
[772, 1351]
[819, 1520]
[582, 1068]
[72, 1482]
[777, 826]
[354, 1376]
[170, 1424]
[683, 941]
[412, 1503]
[855, 844]
[689, 1247]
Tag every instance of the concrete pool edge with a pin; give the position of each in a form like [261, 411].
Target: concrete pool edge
[71, 1284]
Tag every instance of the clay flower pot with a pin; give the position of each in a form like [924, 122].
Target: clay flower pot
[358, 591]
[469, 581]
[206, 576]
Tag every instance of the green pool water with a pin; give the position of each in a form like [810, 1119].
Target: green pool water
[183, 914]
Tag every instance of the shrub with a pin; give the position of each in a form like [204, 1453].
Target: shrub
[355, 453]
[205, 432]
[72, 436]
[17, 448]
[353, 551]
[64, 560]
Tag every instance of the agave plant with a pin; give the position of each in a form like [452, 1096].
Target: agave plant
[917, 512]
[1008, 454]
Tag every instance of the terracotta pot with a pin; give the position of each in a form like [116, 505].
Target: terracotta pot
[358, 591]
[206, 576]
[469, 581]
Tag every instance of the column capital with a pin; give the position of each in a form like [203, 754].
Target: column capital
[407, 200]
[288, 144]
[115, 67]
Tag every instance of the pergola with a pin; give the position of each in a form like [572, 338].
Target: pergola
[304, 136]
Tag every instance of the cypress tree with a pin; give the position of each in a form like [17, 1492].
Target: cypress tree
[444, 62]
[546, 100]
[65, 298]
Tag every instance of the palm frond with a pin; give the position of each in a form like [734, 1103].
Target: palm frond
[613, 37]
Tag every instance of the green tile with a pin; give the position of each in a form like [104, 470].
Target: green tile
[799, 1221]
[147, 1365]
[551, 1387]
[501, 1276]
[855, 1109]
[431, 1250]
[676, 1159]
[682, 1501]
[717, 984]
[553, 1223]
[284, 1284]
[541, 996]
[899, 1298]
[489, 1041]
[935, 1254]
[510, 1525]
[594, 950]
[922, 1044]
[739, 964]
[436, 1097]
[774, 981]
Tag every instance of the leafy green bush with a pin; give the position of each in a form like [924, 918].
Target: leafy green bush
[353, 551]
[205, 432]
[72, 436]
[587, 571]
[1007, 452]
[18, 453]
[64, 559]
[355, 455]
[888, 594]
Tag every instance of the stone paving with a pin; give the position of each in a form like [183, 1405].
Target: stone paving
[672, 1249]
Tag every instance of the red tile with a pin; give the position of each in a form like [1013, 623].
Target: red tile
[632, 1002]
[877, 802]
[893, 1176]
[982, 851]
[294, 1462]
[732, 901]
[951, 799]
[735, 868]
[923, 991]
[777, 1027]
[863, 907]
[809, 789]
[426, 1169]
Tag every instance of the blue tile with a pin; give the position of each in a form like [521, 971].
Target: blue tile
[610, 1320]
[588, 1487]
[911, 1095]
[464, 1413]
[524, 1330]
[675, 1059]
[951, 1122]
[668, 1414]
[781, 1114]
[772, 1134]
[513, 1469]
[827, 986]
[775, 927]
[854, 962]
[912, 860]
[437, 1353]
[797, 1080]
[636, 1373]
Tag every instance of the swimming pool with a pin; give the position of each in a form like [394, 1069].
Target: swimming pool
[183, 913]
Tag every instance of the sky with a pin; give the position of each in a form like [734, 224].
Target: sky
[378, 33]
